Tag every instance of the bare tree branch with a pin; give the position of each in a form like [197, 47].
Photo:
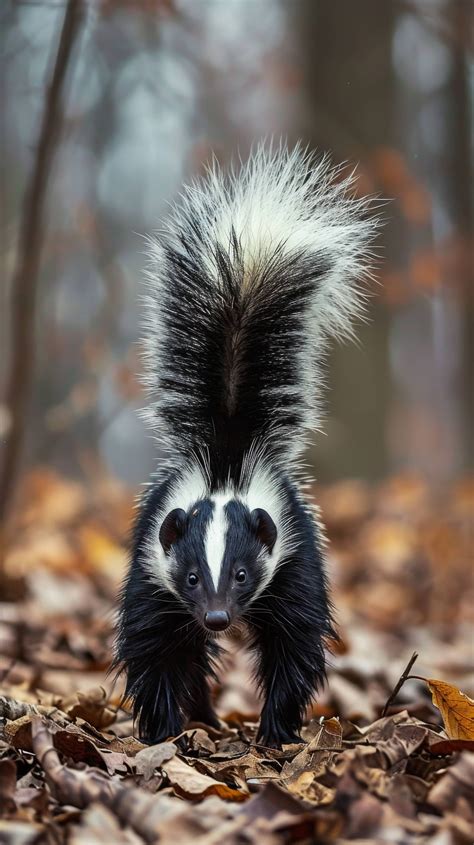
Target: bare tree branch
[30, 243]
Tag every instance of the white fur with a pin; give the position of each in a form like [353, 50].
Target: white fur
[216, 536]
[279, 200]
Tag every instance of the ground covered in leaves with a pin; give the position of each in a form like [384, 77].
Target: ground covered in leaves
[374, 766]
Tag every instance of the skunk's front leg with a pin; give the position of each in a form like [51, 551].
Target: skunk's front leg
[201, 708]
[172, 687]
[291, 667]
[167, 660]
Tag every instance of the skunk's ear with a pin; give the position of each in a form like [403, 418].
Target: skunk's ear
[172, 528]
[264, 528]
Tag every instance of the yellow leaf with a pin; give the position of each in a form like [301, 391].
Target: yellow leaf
[101, 551]
[456, 708]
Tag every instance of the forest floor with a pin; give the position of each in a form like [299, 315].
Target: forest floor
[72, 771]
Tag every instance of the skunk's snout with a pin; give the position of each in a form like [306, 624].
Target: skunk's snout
[217, 620]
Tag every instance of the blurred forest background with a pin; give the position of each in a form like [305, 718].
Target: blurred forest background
[150, 91]
[108, 107]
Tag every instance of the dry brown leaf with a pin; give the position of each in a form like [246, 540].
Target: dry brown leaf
[449, 746]
[129, 745]
[13, 709]
[7, 787]
[197, 742]
[270, 801]
[191, 784]
[456, 708]
[365, 817]
[92, 706]
[298, 774]
[153, 757]
[306, 787]
[230, 748]
[248, 767]
[100, 827]
[20, 833]
[397, 741]
[456, 783]
[73, 743]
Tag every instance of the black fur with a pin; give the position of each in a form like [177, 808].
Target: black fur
[236, 352]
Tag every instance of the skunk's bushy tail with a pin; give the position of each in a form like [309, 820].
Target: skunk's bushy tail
[255, 270]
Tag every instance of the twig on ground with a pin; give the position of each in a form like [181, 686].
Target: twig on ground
[400, 682]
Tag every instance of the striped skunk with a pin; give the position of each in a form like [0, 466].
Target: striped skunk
[254, 272]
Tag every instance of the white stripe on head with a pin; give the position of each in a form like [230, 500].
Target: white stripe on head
[216, 536]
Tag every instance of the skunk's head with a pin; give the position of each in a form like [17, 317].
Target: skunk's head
[216, 556]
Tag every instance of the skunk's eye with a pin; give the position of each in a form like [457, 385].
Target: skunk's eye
[241, 576]
[192, 579]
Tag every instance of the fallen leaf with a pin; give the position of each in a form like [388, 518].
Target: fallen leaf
[191, 784]
[269, 801]
[7, 787]
[249, 767]
[91, 706]
[298, 775]
[456, 708]
[450, 746]
[457, 782]
[100, 827]
[20, 833]
[198, 742]
[401, 741]
[365, 817]
[151, 758]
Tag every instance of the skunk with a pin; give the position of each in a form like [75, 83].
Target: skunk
[253, 272]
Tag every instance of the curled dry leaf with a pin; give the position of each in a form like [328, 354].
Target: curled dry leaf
[149, 759]
[92, 706]
[12, 709]
[7, 787]
[191, 784]
[270, 801]
[197, 741]
[73, 743]
[456, 708]
[248, 767]
[298, 775]
[20, 833]
[398, 742]
[456, 783]
[100, 827]
[449, 746]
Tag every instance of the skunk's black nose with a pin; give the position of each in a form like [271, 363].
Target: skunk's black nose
[217, 620]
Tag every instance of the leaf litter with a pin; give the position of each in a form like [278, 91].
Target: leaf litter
[387, 754]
